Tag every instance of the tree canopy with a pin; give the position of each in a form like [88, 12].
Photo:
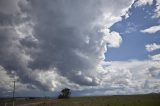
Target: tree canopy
[65, 93]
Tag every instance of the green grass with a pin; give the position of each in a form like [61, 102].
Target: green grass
[9, 101]
[136, 100]
[132, 100]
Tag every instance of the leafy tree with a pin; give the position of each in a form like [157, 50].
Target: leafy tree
[65, 93]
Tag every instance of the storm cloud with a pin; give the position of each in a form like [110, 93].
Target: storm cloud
[68, 38]
[51, 44]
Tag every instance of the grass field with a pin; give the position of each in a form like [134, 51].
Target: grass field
[132, 100]
[136, 100]
[18, 101]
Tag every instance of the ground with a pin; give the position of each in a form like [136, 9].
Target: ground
[130, 100]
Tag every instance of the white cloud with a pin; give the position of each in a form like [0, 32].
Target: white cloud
[143, 2]
[5, 80]
[117, 77]
[113, 39]
[155, 57]
[152, 29]
[127, 77]
[152, 47]
[150, 2]
[24, 30]
[157, 10]
[132, 75]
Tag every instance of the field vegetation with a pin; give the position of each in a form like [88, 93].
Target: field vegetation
[130, 100]
[134, 100]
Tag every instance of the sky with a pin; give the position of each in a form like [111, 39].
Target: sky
[93, 47]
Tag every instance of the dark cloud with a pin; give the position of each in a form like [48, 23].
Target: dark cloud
[65, 37]
[12, 54]
[62, 43]
[9, 6]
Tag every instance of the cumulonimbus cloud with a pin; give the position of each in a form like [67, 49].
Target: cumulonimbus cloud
[63, 36]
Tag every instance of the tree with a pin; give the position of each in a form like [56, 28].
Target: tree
[65, 93]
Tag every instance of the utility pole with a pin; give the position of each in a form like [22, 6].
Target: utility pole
[13, 91]
[44, 97]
